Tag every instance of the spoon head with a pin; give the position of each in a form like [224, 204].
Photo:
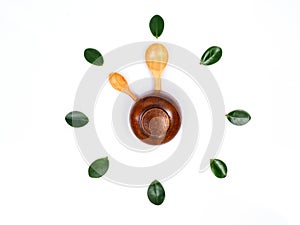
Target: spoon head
[156, 58]
[118, 82]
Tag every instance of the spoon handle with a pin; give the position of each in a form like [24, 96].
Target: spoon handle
[157, 83]
[130, 93]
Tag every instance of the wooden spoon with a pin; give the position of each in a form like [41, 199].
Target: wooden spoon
[119, 83]
[156, 58]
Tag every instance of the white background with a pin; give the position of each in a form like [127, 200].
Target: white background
[43, 176]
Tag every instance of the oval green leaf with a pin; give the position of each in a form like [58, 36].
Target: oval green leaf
[156, 25]
[93, 56]
[76, 119]
[211, 56]
[156, 193]
[218, 167]
[99, 167]
[238, 117]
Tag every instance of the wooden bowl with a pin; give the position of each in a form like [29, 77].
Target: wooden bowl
[155, 118]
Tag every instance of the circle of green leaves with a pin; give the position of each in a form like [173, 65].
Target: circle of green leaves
[156, 192]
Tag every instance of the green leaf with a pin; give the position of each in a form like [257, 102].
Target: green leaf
[99, 167]
[218, 167]
[156, 25]
[76, 119]
[93, 56]
[238, 117]
[211, 56]
[156, 193]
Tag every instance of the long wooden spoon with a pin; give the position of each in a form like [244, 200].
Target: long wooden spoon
[156, 58]
[119, 83]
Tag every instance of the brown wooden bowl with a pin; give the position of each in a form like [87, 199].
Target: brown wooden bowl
[155, 118]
